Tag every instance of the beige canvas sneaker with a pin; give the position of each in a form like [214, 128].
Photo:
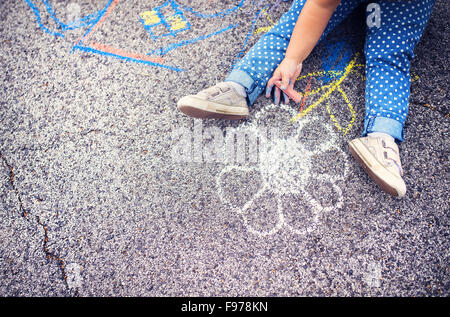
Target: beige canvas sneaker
[221, 101]
[380, 158]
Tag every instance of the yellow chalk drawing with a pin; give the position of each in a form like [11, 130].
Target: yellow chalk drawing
[335, 85]
[329, 89]
[177, 22]
[352, 111]
[351, 68]
[267, 28]
[150, 17]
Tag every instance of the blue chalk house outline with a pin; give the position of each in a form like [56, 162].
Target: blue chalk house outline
[179, 13]
[166, 20]
[173, 24]
[61, 27]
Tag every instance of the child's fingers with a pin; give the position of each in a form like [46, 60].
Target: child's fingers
[286, 98]
[296, 75]
[277, 95]
[294, 78]
[269, 87]
[285, 80]
[276, 76]
[268, 90]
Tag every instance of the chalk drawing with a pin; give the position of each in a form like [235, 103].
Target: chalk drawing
[72, 12]
[175, 23]
[285, 168]
[164, 50]
[266, 28]
[325, 92]
[106, 50]
[337, 66]
[334, 79]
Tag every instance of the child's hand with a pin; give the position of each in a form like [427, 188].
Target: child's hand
[288, 72]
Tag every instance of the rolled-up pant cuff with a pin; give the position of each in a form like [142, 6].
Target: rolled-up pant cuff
[385, 125]
[250, 85]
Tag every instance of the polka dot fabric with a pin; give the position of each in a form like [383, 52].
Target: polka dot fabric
[265, 56]
[388, 51]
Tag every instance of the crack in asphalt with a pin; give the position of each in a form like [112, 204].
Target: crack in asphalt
[25, 214]
[427, 105]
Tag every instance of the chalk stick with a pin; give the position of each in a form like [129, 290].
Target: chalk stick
[291, 93]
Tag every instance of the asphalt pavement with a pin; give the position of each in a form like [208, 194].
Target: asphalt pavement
[107, 190]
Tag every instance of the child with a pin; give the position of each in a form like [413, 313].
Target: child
[279, 54]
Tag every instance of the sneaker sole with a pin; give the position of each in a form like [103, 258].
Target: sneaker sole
[203, 109]
[375, 169]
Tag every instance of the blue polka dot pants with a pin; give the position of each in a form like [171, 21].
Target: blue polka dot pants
[388, 50]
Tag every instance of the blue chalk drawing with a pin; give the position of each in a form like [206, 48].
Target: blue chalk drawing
[173, 24]
[335, 58]
[164, 50]
[39, 21]
[177, 22]
[125, 58]
[78, 23]
[166, 20]
[214, 15]
[62, 27]
[249, 34]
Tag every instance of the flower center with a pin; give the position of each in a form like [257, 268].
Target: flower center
[285, 166]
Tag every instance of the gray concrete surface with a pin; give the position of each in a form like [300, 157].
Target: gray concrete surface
[104, 190]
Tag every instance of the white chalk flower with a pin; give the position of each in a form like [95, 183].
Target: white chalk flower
[285, 168]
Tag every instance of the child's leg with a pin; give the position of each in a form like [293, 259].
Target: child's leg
[388, 51]
[257, 66]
